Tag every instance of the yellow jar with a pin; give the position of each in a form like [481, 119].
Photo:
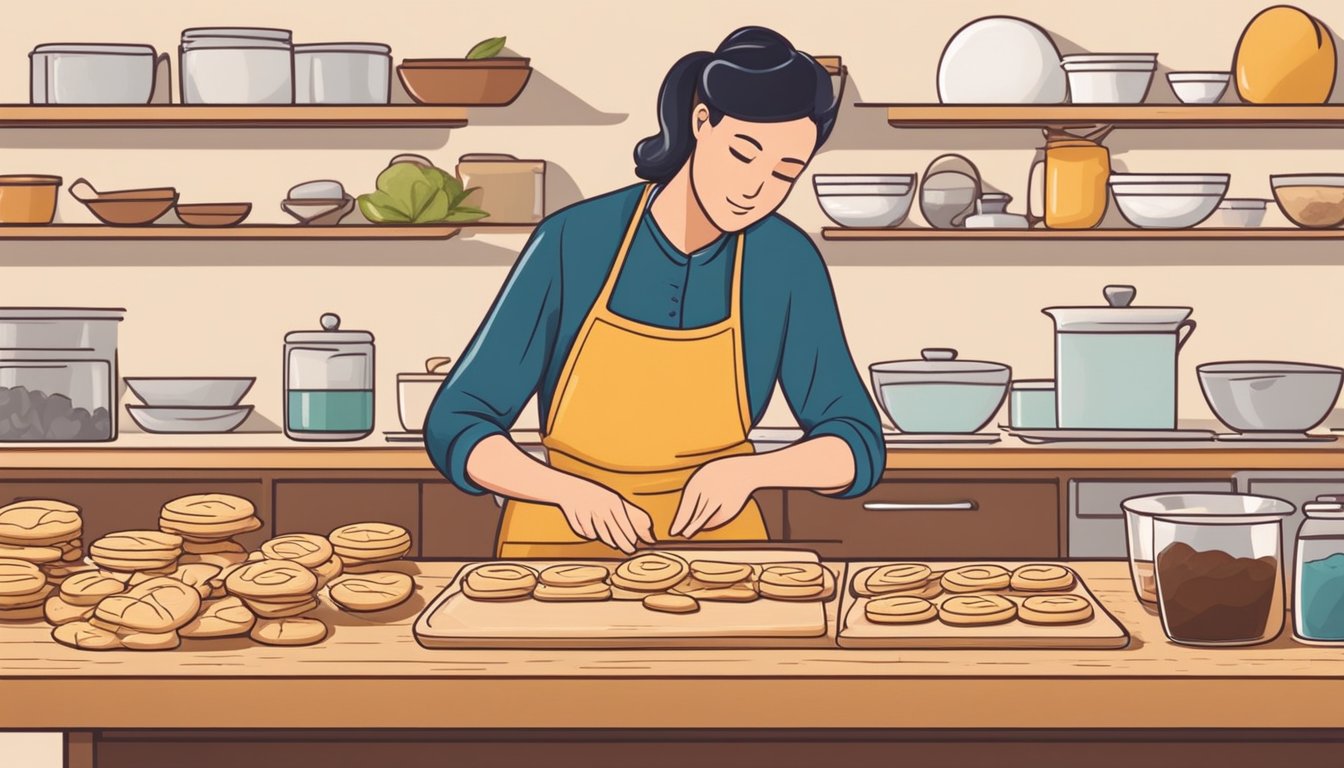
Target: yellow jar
[1076, 171]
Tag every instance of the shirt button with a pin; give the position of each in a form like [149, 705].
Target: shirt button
[676, 299]
[671, 314]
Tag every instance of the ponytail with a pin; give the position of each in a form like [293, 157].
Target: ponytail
[659, 157]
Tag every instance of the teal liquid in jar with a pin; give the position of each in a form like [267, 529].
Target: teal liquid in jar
[330, 410]
[1320, 600]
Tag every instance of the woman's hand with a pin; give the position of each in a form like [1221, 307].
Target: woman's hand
[597, 512]
[715, 494]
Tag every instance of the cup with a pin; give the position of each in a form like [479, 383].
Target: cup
[1031, 404]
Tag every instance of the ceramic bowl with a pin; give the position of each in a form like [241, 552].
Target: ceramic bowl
[1199, 87]
[188, 420]
[1169, 200]
[1239, 213]
[190, 392]
[1311, 201]
[461, 82]
[1267, 396]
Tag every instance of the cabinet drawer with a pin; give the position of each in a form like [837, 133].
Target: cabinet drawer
[318, 507]
[977, 519]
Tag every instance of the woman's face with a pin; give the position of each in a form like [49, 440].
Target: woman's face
[742, 171]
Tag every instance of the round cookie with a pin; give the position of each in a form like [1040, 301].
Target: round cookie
[573, 575]
[823, 591]
[268, 610]
[29, 600]
[306, 549]
[157, 606]
[976, 610]
[197, 576]
[741, 592]
[39, 522]
[370, 542]
[220, 618]
[931, 589]
[716, 572]
[289, 632]
[225, 547]
[266, 579]
[147, 641]
[57, 611]
[792, 575]
[650, 572]
[976, 578]
[666, 602]
[580, 594]
[205, 533]
[208, 509]
[19, 577]
[90, 587]
[32, 554]
[884, 579]
[25, 613]
[1055, 609]
[898, 609]
[329, 570]
[1042, 577]
[499, 581]
[372, 592]
[220, 559]
[85, 636]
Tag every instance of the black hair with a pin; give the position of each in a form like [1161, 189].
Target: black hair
[755, 75]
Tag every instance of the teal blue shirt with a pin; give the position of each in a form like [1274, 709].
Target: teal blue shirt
[790, 328]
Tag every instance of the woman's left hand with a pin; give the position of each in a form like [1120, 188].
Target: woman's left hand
[715, 494]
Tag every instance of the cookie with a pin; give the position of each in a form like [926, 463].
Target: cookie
[203, 533]
[1042, 577]
[716, 572]
[288, 631]
[29, 600]
[32, 554]
[666, 602]
[370, 542]
[58, 572]
[792, 575]
[573, 575]
[823, 591]
[885, 579]
[620, 593]
[25, 613]
[157, 606]
[208, 509]
[140, 577]
[269, 610]
[329, 570]
[976, 578]
[372, 592]
[225, 547]
[1055, 609]
[899, 609]
[220, 559]
[197, 576]
[85, 636]
[976, 610]
[306, 549]
[220, 618]
[57, 611]
[650, 572]
[90, 587]
[19, 577]
[931, 589]
[264, 579]
[741, 592]
[147, 641]
[499, 581]
[136, 550]
[581, 594]
[39, 522]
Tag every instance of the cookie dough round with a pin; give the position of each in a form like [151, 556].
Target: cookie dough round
[823, 591]
[581, 594]
[150, 641]
[717, 572]
[667, 602]
[372, 592]
[19, 577]
[898, 609]
[85, 636]
[39, 522]
[227, 617]
[792, 575]
[1055, 609]
[499, 581]
[650, 572]
[976, 578]
[976, 610]
[306, 549]
[573, 575]
[266, 579]
[289, 632]
[1042, 577]
[885, 579]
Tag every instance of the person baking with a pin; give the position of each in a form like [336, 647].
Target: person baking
[653, 323]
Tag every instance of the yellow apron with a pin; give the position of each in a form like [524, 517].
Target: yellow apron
[638, 409]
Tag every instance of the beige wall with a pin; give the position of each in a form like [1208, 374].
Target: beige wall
[222, 308]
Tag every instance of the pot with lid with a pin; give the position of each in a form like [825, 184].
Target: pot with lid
[939, 394]
[1115, 366]
[328, 383]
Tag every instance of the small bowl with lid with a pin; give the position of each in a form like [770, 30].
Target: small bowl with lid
[939, 393]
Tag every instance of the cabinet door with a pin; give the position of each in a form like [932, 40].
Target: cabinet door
[108, 506]
[458, 525]
[319, 506]
[974, 519]
[1096, 522]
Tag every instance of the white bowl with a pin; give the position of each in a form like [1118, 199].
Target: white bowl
[826, 190]
[1238, 213]
[1170, 178]
[1109, 84]
[867, 210]
[1198, 87]
[190, 392]
[1090, 58]
[415, 393]
[1169, 189]
[1306, 180]
[864, 178]
[189, 420]
[1171, 211]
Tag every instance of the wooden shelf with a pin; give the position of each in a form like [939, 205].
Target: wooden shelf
[1040, 235]
[240, 232]
[1130, 115]
[203, 116]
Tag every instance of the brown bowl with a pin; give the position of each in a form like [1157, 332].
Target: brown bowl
[1311, 206]
[125, 207]
[213, 214]
[463, 82]
[28, 198]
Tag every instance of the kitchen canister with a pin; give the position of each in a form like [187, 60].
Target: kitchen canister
[1318, 584]
[92, 73]
[512, 191]
[329, 382]
[1031, 404]
[1115, 366]
[342, 73]
[237, 65]
[1067, 183]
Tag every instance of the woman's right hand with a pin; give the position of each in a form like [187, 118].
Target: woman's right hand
[597, 512]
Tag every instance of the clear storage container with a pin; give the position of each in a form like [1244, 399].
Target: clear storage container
[342, 73]
[58, 374]
[329, 383]
[75, 73]
[1318, 583]
[237, 65]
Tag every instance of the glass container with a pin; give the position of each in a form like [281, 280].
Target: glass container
[329, 383]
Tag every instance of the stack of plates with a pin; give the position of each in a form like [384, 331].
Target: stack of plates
[181, 405]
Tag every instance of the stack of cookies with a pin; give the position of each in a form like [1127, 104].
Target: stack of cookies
[23, 589]
[44, 533]
[797, 581]
[308, 550]
[972, 595]
[207, 523]
[572, 583]
[138, 555]
[364, 547]
[146, 617]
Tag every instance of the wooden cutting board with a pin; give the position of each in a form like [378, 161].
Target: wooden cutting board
[856, 631]
[453, 620]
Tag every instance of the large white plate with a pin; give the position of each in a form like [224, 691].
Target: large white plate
[1001, 60]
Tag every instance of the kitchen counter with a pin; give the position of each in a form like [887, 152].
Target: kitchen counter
[371, 675]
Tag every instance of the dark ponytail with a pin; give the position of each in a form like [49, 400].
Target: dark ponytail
[755, 75]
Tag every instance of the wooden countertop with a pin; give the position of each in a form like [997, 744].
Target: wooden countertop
[374, 675]
[274, 452]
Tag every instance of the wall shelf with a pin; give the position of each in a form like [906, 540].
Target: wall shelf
[240, 232]
[926, 234]
[1124, 115]
[205, 116]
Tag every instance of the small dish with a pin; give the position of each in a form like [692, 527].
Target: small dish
[200, 421]
[492, 82]
[320, 213]
[190, 392]
[1199, 87]
[126, 207]
[1239, 213]
[213, 214]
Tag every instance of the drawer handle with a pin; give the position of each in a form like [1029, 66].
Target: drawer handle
[905, 506]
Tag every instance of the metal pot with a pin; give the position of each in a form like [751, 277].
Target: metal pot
[1115, 366]
[939, 394]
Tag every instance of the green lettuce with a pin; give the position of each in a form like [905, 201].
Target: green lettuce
[412, 193]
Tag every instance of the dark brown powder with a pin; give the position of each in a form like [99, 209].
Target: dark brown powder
[1213, 597]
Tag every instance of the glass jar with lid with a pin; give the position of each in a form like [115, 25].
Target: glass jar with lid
[1318, 584]
[329, 383]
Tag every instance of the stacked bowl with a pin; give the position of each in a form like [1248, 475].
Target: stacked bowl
[1168, 200]
[1109, 78]
[865, 200]
[200, 405]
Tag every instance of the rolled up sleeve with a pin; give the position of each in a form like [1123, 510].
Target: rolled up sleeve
[503, 365]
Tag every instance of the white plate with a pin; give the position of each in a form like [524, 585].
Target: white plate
[1001, 60]
[188, 420]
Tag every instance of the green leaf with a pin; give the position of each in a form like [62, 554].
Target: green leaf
[435, 208]
[461, 197]
[487, 49]
[381, 208]
[465, 213]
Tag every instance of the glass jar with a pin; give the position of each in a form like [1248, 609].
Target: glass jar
[1318, 580]
[1074, 184]
[328, 383]
[58, 374]
[1220, 578]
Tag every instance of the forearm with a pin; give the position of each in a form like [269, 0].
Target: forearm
[499, 465]
[823, 464]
